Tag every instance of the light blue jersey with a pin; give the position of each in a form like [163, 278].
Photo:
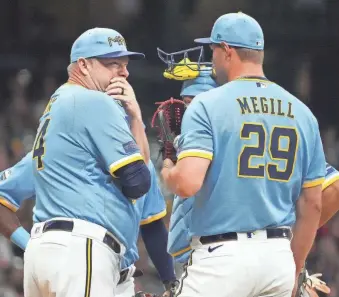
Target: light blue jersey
[83, 138]
[150, 208]
[178, 237]
[265, 147]
[17, 184]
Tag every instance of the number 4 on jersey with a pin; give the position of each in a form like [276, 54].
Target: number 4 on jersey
[39, 147]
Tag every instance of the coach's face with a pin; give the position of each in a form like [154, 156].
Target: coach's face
[221, 61]
[103, 70]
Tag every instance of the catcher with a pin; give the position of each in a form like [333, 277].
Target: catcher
[197, 77]
[179, 240]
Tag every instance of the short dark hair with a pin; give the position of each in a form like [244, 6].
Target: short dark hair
[250, 55]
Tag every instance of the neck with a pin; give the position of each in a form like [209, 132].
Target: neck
[75, 76]
[78, 80]
[246, 69]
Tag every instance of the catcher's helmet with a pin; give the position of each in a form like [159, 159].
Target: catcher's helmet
[184, 57]
[193, 87]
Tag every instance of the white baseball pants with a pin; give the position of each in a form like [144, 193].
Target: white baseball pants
[247, 267]
[70, 264]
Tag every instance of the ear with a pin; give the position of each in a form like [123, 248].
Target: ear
[83, 65]
[224, 45]
[226, 48]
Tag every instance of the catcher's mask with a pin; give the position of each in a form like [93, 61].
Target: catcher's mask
[184, 58]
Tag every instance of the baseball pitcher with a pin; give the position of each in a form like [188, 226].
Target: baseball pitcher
[198, 78]
[250, 153]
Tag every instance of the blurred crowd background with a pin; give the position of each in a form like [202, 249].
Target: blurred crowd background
[302, 46]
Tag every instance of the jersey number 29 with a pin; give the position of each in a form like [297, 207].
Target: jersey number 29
[275, 151]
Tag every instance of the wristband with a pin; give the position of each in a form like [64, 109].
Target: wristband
[20, 237]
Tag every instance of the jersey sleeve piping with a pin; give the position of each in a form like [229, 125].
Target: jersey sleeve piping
[195, 153]
[124, 161]
[330, 181]
[154, 218]
[313, 183]
[7, 204]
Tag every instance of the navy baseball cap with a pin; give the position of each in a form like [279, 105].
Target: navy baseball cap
[236, 29]
[101, 43]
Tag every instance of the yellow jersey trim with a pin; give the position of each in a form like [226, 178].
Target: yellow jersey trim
[123, 162]
[196, 153]
[330, 181]
[176, 254]
[255, 79]
[153, 218]
[7, 204]
[313, 183]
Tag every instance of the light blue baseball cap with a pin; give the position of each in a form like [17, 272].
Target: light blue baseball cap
[236, 29]
[101, 43]
[203, 83]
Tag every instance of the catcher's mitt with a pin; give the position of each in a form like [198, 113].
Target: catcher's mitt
[167, 119]
[308, 285]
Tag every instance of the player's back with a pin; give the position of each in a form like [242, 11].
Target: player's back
[72, 176]
[263, 142]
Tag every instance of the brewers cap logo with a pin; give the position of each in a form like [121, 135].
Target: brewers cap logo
[117, 39]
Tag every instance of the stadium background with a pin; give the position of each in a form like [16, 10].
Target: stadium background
[302, 46]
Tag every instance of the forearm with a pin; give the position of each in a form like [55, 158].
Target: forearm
[328, 212]
[330, 204]
[186, 178]
[138, 131]
[169, 177]
[155, 237]
[177, 183]
[304, 232]
[11, 228]
[9, 222]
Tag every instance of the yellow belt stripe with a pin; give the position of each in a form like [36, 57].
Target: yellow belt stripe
[89, 245]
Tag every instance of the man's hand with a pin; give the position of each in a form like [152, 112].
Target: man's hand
[308, 285]
[121, 90]
[167, 165]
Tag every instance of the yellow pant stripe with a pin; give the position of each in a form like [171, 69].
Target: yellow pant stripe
[89, 245]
